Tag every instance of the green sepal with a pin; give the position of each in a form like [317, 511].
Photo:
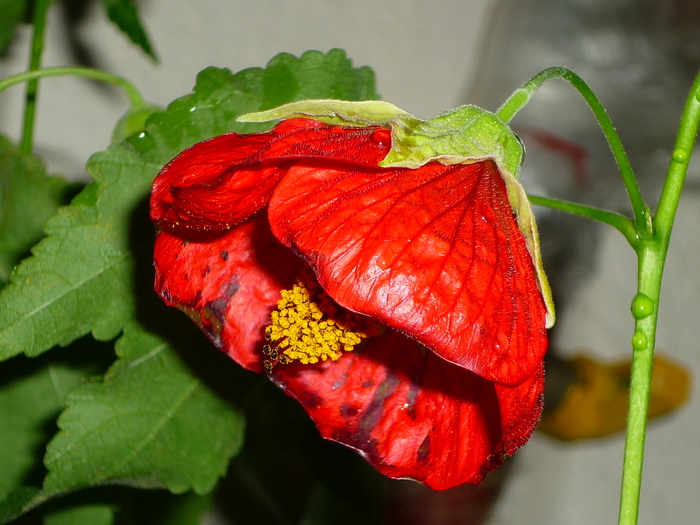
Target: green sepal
[338, 112]
[460, 136]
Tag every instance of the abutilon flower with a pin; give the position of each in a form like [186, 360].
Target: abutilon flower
[384, 271]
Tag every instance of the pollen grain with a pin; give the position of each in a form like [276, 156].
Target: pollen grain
[309, 327]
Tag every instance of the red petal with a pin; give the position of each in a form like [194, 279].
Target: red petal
[228, 284]
[414, 415]
[222, 181]
[434, 252]
[521, 408]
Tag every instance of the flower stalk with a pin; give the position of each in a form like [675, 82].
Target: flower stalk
[135, 98]
[651, 259]
[650, 237]
[640, 211]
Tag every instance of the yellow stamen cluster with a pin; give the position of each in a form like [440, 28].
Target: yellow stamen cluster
[307, 326]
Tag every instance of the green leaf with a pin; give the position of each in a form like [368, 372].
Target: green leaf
[32, 394]
[94, 514]
[103, 505]
[315, 76]
[12, 13]
[19, 501]
[27, 198]
[124, 14]
[133, 121]
[81, 277]
[152, 423]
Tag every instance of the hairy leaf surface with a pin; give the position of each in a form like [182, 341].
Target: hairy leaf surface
[27, 198]
[152, 423]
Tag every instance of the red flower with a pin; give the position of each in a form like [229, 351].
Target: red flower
[410, 294]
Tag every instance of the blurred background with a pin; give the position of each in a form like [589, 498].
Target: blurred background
[639, 56]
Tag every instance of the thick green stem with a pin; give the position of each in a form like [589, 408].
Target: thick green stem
[41, 9]
[652, 257]
[95, 74]
[642, 216]
[645, 311]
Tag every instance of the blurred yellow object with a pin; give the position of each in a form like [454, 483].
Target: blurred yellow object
[595, 404]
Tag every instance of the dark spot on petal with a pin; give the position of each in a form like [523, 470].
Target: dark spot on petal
[206, 322]
[308, 400]
[340, 382]
[415, 385]
[232, 288]
[206, 271]
[375, 410]
[348, 411]
[364, 443]
[413, 390]
[229, 289]
[424, 450]
[216, 310]
[224, 255]
[367, 384]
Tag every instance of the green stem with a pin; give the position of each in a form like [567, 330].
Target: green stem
[41, 8]
[642, 216]
[645, 310]
[95, 74]
[622, 223]
[650, 239]
[652, 257]
[685, 142]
